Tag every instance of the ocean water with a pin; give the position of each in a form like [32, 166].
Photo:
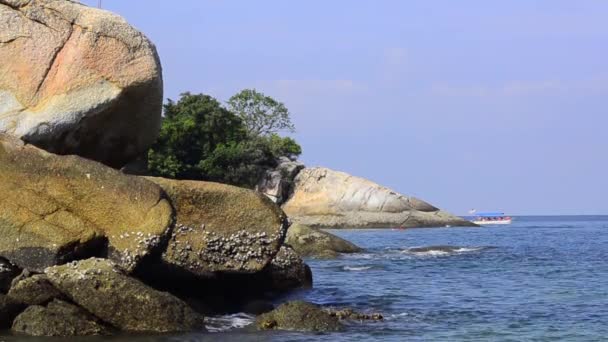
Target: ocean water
[539, 279]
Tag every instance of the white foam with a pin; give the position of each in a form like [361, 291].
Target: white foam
[361, 268]
[228, 322]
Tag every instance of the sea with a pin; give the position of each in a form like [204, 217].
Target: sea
[543, 278]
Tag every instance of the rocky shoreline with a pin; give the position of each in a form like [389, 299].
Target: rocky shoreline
[86, 249]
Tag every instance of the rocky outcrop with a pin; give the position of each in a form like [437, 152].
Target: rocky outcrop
[77, 80]
[298, 316]
[58, 318]
[277, 183]
[34, 290]
[324, 198]
[221, 228]
[103, 289]
[286, 272]
[59, 208]
[313, 242]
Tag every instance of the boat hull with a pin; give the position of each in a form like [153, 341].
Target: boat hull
[492, 222]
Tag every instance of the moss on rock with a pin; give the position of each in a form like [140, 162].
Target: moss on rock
[298, 316]
[308, 241]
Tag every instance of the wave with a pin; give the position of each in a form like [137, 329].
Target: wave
[443, 250]
[355, 268]
[228, 322]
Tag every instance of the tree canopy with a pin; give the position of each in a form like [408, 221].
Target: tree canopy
[261, 114]
[200, 139]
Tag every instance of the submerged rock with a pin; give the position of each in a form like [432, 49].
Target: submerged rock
[350, 314]
[35, 290]
[59, 208]
[298, 316]
[58, 318]
[77, 80]
[308, 241]
[221, 228]
[104, 290]
[323, 198]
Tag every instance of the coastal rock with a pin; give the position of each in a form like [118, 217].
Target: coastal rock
[104, 290]
[277, 183]
[308, 241]
[9, 309]
[298, 316]
[8, 272]
[59, 208]
[221, 228]
[323, 198]
[35, 290]
[77, 80]
[350, 314]
[286, 272]
[58, 318]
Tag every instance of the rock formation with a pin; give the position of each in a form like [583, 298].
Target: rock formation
[77, 80]
[59, 208]
[298, 316]
[221, 228]
[324, 198]
[308, 242]
[278, 182]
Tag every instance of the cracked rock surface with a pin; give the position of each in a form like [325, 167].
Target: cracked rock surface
[324, 198]
[59, 208]
[77, 80]
[221, 228]
[102, 288]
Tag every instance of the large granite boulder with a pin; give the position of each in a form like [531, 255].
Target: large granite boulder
[307, 241]
[286, 272]
[298, 316]
[324, 198]
[58, 208]
[221, 228]
[105, 290]
[59, 319]
[77, 80]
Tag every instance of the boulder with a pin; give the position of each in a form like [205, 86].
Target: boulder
[277, 183]
[307, 241]
[221, 228]
[35, 290]
[59, 208]
[9, 309]
[58, 318]
[103, 289]
[77, 80]
[286, 272]
[323, 198]
[298, 316]
[8, 272]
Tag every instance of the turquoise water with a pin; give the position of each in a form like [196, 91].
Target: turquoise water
[540, 279]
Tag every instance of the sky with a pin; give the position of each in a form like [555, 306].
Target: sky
[493, 105]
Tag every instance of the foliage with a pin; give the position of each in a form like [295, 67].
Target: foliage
[261, 114]
[199, 139]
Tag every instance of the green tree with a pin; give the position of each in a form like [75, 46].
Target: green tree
[190, 132]
[199, 139]
[261, 114]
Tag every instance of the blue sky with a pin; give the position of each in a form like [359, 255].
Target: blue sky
[470, 104]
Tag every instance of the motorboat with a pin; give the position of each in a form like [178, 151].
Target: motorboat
[492, 218]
